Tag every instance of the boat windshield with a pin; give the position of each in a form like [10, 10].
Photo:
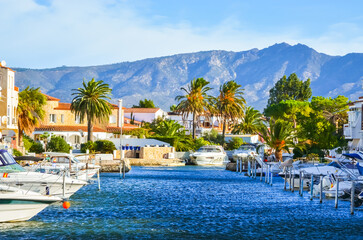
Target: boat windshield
[8, 164]
[209, 149]
[75, 160]
[246, 148]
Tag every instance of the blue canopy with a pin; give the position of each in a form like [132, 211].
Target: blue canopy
[353, 155]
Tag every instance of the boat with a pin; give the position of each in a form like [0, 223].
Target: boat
[56, 163]
[14, 175]
[21, 205]
[244, 151]
[209, 155]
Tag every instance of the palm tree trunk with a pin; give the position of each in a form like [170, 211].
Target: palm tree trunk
[20, 134]
[194, 125]
[278, 155]
[224, 130]
[90, 131]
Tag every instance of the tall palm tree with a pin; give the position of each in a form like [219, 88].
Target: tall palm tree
[30, 111]
[250, 122]
[230, 103]
[91, 102]
[279, 136]
[195, 101]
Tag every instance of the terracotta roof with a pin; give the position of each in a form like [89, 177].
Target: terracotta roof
[7, 68]
[16, 88]
[66, 128]
[50, 98]
[126, 126]
[128, 120]
[141, 110]
[63, 106]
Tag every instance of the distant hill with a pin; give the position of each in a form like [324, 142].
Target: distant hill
[160, 78]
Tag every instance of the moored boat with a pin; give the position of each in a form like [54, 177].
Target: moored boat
[209, 155]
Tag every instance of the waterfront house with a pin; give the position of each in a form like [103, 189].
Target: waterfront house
[60, 121]
[144, 114]
[8, 107]
[353, 130]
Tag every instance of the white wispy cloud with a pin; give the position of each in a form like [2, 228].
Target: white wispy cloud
[93, 32]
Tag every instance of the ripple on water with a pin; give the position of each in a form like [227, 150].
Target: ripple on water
[188, 202]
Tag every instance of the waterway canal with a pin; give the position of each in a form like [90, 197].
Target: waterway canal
[189, 202]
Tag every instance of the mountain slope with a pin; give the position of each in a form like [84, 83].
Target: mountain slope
[160, 78]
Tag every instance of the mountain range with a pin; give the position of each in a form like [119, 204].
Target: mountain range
[161, 78]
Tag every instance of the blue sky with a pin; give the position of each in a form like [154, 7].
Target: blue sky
[51, 33]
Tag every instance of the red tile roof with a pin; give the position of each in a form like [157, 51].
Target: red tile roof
[63, 106]
[50, 98]
[126, 126]
[141, 110]
[127, 120]
[7, 68]
[66, 128]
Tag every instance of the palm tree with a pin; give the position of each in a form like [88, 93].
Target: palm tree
[168, 128]
[250, 122]
[91, 102]
[279, 136]
[196, 100]
[30, 111]
[230, 103]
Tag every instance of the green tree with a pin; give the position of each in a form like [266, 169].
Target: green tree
[335, 110]
[146, 103]
[230, 104]
[36, 147]
[195, 101]
[44, 137]
[289, 110]
[250, 123]
[30, 111]
[58, 144]
[291, 88]
[173, 108]
[278, 136]
[234, 143]
[105, 146]
[168, 128]
[91, 102]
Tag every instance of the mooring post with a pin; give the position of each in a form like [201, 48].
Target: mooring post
[261, 172]
[352, 198]
[98, 180]
[321, 189]
[124, 169]
[292, 182]
[302, 184]
[336, 193]
[290, 171]
[64, 184]
[272, 175]
[242, 167]
[255, 169]
[312, 187]
[266, 173]
[285, 173]
[237, 162]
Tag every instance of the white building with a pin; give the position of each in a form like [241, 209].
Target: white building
[144, 114]
[353, 130]
[8, 104]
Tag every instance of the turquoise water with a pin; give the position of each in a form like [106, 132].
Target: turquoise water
[189, 203]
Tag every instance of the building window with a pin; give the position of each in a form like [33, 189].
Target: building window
[62, 118]
[77, 119]
[52, 118]
[112, 119]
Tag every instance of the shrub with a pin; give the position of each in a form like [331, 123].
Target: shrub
[91, 146]
[28, 142]
[17, 153]
[36, 147]
[234, 143]
[105, 146]
[58, 144]
[200, 142]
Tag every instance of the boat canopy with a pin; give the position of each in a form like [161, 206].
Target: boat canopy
[354, 155]
[8, 163]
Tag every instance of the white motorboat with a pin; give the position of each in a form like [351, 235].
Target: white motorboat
[244, 151]
[209, 155]
[21, 205]
[12, 174]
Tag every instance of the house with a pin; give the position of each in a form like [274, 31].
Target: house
[60, 121]
[205, 123]
[144, 114]
[353, 130]
[8, 106]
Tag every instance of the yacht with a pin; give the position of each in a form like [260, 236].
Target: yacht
[209, 155]
[244, 151]
[21, 205]
[12, 174]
